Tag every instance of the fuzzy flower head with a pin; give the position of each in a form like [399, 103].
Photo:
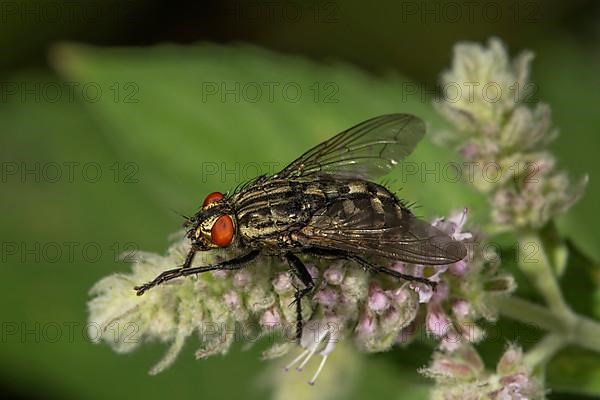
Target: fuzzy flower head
[483, 85]
[503, 139]
[372, 312]
[461, 375]
[465, 292]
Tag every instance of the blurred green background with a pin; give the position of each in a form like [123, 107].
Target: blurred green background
[114, 114]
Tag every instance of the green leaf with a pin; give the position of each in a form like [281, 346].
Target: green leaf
[565, 76]
[62, 210]
[169, 135]
[580, 282]
[575, 370]
[209, 117]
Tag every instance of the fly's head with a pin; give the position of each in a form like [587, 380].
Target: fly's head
[214, 226]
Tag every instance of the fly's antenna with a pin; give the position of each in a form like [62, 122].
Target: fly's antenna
[180, 214]
[187, 220]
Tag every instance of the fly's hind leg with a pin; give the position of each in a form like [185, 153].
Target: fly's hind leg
[367, 265]
[299, 269]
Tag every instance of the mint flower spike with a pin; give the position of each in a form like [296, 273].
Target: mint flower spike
[461, 374]
[466, 290]
[503, 138]
[370, 312]
[506, 142]
[483, 86]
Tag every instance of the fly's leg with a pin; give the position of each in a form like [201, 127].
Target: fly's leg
[232, 264]
[189, 258]
[299, 269]
[369, 266]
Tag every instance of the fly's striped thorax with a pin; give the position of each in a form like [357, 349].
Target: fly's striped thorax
[266, 210]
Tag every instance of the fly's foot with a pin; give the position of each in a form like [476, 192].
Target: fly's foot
[433, 285]
[140, 290]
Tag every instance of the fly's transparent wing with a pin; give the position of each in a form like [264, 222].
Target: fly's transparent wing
[386, 230]
[366, 151]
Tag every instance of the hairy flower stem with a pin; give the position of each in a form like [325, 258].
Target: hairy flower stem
[534, 262]
[544, 350]
[580, 331]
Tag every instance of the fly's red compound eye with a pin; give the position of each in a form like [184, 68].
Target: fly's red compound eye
[221, 232]
[211, 198]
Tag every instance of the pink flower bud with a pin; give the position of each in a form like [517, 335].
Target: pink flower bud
[232, 299]
[471, 332]
[518, 386]
[469, 151]
[241, 279]
[451, 341]
[282, 282]
[451, 369]
[510, 362]
[459, 268]
[366, 325]
[424, 291]
[270, 318]
[313, 271]
[464, 364]
[461, 308]
[399, 296]
[377, 301]
[437, 321]
[326, 297]
[334, 275]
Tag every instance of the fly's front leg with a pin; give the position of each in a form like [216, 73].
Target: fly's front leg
[189, 258]
[299, 269]
[186, 270]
